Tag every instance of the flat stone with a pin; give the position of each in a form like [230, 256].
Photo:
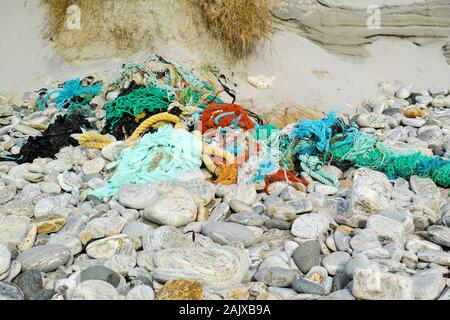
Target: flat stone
[342, 241]
[201, 190]
[371, 193]
[49, 187]
[94, 166]
[340, 295]
[316, 282]
[276, 260]
[5, 259]
[277, 224]
[373, 120]
[413, 122]
[415, 245]
[310, 225]
[439, 235]
[106, 248]
[290, 193]
[220, 213]
[137, 196]
[95, 290]
[74, 224]
[9, 291]
[425, 100]
[227, 232]
[100, 273]
[395, 250]
[30, 282]
[181, 289]
[301, 205]
[18, 208]
[278, 277]
[44, 258]
[428, 285]
[401, 215]
[325, 190]
[435, 256]
[340, 281]
[359, 262]
[7, 193]
[44, 294]
[141, 292]
[445, 295]
[426, 205]
[57, 166]
[69, 181]
[375, 285]
[13, 229]
[50, 225]
[431, 135]
[282, 211]
[52, 206]
[67, 240]
[174, 208]
[335, 262]
[219, 266]
[248, 219]
[239, 206]
[364, 240]
[163, 275]
[307, 255]
[434, 91]
[101, 228]
[244, 193]
[157, 238]
[386, 229]
[189, 240]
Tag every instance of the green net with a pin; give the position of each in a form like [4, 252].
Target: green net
[143, 99]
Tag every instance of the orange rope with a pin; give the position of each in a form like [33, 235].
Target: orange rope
[283, 175]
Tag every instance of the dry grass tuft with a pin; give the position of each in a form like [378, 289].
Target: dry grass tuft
[238, 24]
[109, 28]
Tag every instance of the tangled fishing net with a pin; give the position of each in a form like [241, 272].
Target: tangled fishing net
[159, 156]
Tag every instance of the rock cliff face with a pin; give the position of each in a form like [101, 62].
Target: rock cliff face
[345, 26]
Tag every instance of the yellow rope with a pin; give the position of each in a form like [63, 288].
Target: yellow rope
[210, 151]
[97, 141]
[152, 121]
[94, 140]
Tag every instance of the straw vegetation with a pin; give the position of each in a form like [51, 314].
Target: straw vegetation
[120, 28]
[238, 24]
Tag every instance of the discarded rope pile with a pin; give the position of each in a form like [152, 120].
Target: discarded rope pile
[71, 96]
[366, 151]
[171, 120]
[159, 156]
[331, 138]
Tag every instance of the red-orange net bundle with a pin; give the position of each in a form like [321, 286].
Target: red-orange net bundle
[283, 175]
[227, 115]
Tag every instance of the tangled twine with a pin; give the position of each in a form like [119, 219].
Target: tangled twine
[67, 95]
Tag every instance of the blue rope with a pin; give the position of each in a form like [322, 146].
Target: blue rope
[70, 89]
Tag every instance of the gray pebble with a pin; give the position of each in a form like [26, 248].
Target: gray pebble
[278, 277]
[307, 255]
[30, 282]
[44, 258]
[9, 291]
[228, 232]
